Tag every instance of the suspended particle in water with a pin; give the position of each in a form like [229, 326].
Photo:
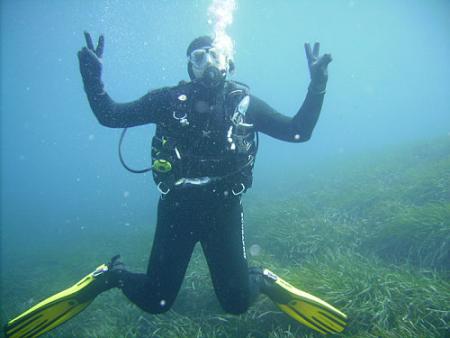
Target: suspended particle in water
[91, 137]
[126, 194]
[255, 250]
[162, 303]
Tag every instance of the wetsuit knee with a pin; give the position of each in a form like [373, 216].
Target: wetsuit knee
[238, 300]
[152, 306]
[234, 301]
[235, 309]
[150, 303]
[139, 289]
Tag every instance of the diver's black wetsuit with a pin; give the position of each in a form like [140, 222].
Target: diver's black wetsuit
[210, 214]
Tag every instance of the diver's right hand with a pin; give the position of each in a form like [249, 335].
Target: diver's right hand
[90, 58]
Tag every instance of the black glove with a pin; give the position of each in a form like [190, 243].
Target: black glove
[317, 67]
[116, 269]
[90, 59]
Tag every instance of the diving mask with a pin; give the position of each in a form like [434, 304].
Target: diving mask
[209, 65]
[202, 57]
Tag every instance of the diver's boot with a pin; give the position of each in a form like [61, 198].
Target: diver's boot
[303, 307]
[57, 309]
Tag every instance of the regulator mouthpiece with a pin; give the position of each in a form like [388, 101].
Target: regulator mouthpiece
[212, 77]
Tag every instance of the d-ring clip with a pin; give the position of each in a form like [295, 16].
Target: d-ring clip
[161, 190]
[240, 191]
[184, 117]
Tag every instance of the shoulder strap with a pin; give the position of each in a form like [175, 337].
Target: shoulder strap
[236, 85]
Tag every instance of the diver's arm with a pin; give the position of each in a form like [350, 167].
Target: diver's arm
[123, 115]
[296, 129]
[300, 127]
[109, 113]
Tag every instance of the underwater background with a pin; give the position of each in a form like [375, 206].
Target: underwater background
[359, 215]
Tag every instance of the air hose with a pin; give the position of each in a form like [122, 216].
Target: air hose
[134, 171]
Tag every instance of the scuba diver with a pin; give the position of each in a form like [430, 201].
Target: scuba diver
[203, 153]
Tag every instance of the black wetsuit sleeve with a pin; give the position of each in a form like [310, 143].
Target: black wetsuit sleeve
[147, 109]
[292, 129]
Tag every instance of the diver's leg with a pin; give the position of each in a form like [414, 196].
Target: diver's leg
[222, 241]
[173, 244]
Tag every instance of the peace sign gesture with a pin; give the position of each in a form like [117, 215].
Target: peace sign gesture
[317, 66]
[90, 58]
[100, 45]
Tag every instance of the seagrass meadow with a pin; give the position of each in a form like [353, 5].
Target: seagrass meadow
[369, 233]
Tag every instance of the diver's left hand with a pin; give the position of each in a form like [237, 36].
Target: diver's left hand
[317, 66]
[90, 58]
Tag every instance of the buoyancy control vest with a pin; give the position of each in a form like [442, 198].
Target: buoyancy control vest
[205, 142]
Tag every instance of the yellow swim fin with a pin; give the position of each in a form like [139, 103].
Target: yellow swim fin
[57, 309]
[303, 307]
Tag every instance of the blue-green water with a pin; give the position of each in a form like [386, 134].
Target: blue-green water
[68, 205]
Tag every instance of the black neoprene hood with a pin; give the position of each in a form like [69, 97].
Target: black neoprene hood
[200, 42]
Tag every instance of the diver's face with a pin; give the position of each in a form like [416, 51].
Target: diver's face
[205, 59]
